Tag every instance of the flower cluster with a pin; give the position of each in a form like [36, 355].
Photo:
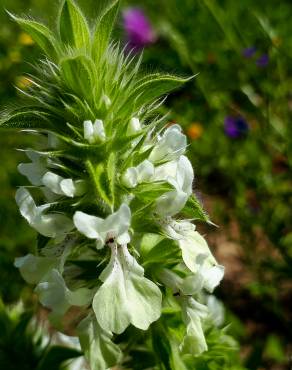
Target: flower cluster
[115, 227]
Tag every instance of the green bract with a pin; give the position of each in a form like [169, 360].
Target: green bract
[114, 185]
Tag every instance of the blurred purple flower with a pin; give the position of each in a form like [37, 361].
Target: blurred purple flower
[249, 52]
[263, 60]
[138, 29]
[235, 127]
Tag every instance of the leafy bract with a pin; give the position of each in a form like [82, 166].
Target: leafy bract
[41, 35]
[78, 74]
[152, 86]
[73, 26]
[103, 29]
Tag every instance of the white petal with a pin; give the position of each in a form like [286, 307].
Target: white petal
[172, 144]
[80, 187]
[99, 132]
[130, 177]
[51, 224]
[185, 175]
[194, 341]
[216, 310]
[145, 171]
[88, 225]
[192, 284]
[33, 171]
[166, 171]
[212, 276]
[33, 268]
[195, 250]
[126, 296]
[134, 126]
[123, 238]
[68, 187]
[94, 132]
[26, 204]
[110, 301]
[119, 222]
[54, 294]
[53, 181]
[170, 203]
[88, 131]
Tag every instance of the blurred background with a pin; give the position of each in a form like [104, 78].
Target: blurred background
[236, 113]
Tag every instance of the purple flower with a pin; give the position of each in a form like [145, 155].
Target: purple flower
[249, 52]
[263, 60]
[138, 29]
[235, 127]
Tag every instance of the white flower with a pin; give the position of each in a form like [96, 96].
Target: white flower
[126, 296]
[216, 310]
[130, 177]
[115, 226]
[136, 175]
[193, 313]
[34, 268]
[171, 145]
[179, 173]
[35, 170]
[94, 132]
[54, 294]
[52, 290]
[134, 126]
[58, 185]
[48, 224]
[196, 256]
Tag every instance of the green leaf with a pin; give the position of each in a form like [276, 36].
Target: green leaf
[56, 356]
[151, 191]
[166, 252]
[104, 28]
[99, 178]
[73, 27]
[193, 209]
[99, 350]
[161, 345]
[153, 86]
[41, 35]
[111, 175]
[78, 74]
[25, 119]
